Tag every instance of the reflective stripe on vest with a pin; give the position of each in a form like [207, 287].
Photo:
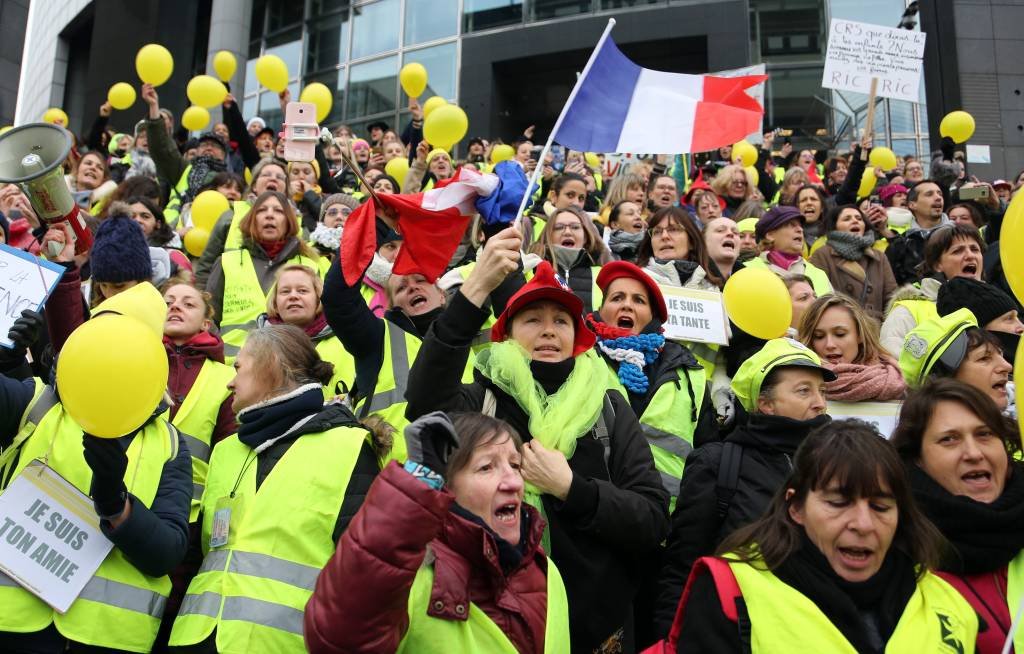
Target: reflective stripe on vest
[43, 399]
[478, 634]
[120, 607]
[782, 619]
[173, 209]
[254, 590]
[197, 418]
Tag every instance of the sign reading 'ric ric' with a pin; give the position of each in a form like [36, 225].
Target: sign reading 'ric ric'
[858, 52]
[50, 541]
[695, 315]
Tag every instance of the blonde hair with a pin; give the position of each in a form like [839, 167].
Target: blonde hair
[592, 243]
[620, 186]
[720, 184]
[869, 346]
[318, 288]
[791, 177]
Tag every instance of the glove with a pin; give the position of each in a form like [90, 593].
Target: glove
[724, 403]
[24, 333]
[431, 440]
[109, 462]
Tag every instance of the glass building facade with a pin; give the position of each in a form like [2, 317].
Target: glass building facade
[358, 48]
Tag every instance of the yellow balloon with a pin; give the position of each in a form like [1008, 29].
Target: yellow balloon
[207, 208]
[112, 374]
[745, 152]
[433, 103]
[206, 91]
[56, 116]
[195, 119]
[121, 95]
[883, 158]
[502, 152]
[397, 168]
[445, 126]
[195, 240]
[592, 160]
[752, 171]
[957, 125]
[867, 182]
[224, 65]
[319, 95]
[154, 64]
[757, 300]
[414, 79]
[272, 72]
[1011, 246]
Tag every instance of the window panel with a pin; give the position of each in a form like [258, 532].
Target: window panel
[429, 20]
[334, 80]
[440, 64]
[291, 53]
[485, 14]
[541, 9]
[327, 44]
[283, 13]
[375, 28]
[372, 87]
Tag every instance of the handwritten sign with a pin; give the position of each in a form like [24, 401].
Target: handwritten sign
[695, 315]
[25, 283]
[50, 540]
[883, 415]
[858, 52]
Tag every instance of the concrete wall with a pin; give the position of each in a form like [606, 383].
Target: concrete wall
[13, 20]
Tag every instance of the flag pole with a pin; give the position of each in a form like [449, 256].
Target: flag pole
[558, 123]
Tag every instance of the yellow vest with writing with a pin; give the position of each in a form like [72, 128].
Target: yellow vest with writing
[331, 350]
[254, 589]
[120, 607]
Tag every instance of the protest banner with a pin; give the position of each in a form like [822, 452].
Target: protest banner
[50, 540]
[25, 283]
[860, 52]
[695, 315]
[883, 415]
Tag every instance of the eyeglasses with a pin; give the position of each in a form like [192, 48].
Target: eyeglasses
[279, 177]
[739, 182]
[338, 211]
[671, 230]
[572, 227]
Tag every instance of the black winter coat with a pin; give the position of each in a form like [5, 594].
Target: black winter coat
[768, 444]
[616, 513]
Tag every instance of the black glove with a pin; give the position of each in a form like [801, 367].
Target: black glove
[431, 440]
[24, 333]
[109, 462]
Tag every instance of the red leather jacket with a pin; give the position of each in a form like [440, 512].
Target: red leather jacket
[361, 599]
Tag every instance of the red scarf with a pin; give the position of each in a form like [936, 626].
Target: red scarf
[273, 248]
[312, 330]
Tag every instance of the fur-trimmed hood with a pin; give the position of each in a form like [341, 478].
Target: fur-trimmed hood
[928, 290]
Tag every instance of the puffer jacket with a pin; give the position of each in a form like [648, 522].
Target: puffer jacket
[361, 599]
[616, 513]
[768, 444]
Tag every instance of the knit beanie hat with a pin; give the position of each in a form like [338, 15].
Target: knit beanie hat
[985, 301]
[343, 199]
[120, 252]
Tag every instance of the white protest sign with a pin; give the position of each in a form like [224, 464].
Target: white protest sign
[883, 415]
[858, 52]
[695, 315]
[25, 283]
[50, 541]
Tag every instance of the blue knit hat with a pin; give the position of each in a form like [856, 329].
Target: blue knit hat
[120, 252]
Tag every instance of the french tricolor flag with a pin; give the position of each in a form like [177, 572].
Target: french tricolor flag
[618, 106]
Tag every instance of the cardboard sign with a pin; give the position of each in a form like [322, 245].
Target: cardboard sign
[25, 283]
[883, 415]
[694, 315]
[858, 52]
[50, 540]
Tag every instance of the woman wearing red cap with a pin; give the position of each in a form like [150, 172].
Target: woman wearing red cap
[587, 467]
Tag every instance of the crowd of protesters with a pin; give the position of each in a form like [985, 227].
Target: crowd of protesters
[515, 458]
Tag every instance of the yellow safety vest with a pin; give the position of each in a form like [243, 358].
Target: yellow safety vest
[784, 620]
[478, 634]
[669, 422]
[244, 299]
[818, 277]
[921, 310]
[388, 400]
[239, 210]
[173, 209]
[254, 589]
[332, 351]
[1014, 590]
[120, 607]
[196, 419]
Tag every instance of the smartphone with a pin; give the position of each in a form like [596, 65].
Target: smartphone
[375, 150]
[974, 193]
[301, 131]
[535, 152]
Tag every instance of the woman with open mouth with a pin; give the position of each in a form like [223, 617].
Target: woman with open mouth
[444, 554]
[812, 203]
[846, 339]
[569, 242]
[961, 455]
[853, 264]
[840, 562]
[954, 346]
[673, 252]
[586, 464]
[723, 242]
[626, 226]
[780, 236]
[950, 252]
[90, 181]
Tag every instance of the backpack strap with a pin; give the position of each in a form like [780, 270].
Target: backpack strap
[602, 431]
[728, 476]
[725, 583]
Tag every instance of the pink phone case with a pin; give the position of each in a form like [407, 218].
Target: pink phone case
[301, 131]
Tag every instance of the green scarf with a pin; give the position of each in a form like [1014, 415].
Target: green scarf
[557, 420]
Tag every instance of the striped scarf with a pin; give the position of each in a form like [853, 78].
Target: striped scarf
[632, 351]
